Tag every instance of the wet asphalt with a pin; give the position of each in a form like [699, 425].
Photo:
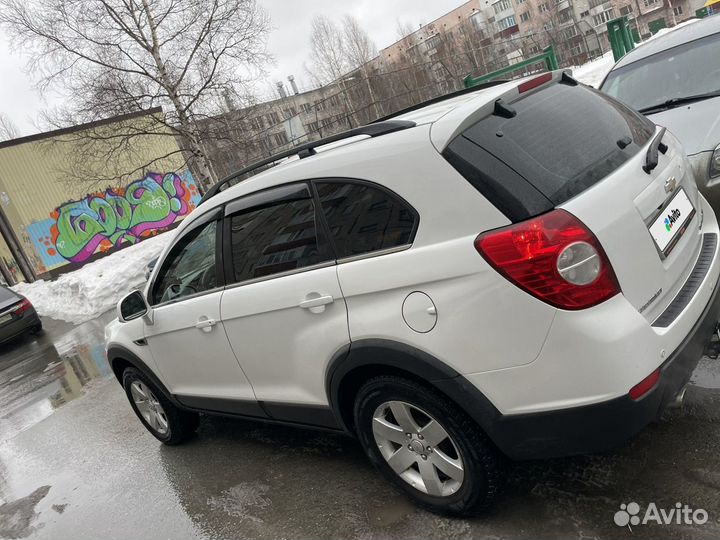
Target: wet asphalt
[75, 463]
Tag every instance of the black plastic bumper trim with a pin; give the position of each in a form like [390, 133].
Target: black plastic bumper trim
[692, 284]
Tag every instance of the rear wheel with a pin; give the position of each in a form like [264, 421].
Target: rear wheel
[160, 417]
[427, 446]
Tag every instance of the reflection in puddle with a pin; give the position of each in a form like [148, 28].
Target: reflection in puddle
[38, 377]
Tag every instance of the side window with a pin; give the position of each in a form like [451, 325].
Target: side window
[190, 267]
[277, 237]
[363, 218]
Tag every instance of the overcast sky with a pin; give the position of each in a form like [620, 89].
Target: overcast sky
[288, 42]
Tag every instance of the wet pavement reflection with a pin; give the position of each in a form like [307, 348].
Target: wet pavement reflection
[75, 463]
[39, 373]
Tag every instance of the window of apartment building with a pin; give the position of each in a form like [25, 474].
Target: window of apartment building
[320, 105]
[576, 50]
[433, 42]
[502, 5]
[280, 138]
[533, 49]
[564, 16]
[290, 111]
[625, 10]
[507, 22]
[306, 107]
[543, 8]
[257, 123]
[273, 118]
[326, 122]
[547, 27]
[649, 3]
[519, 2]
[584, 13]
[603, 17]
[678, 10]
[313, 126]
[525, 16]
[334, 100]
[570, 32]
[596, 3]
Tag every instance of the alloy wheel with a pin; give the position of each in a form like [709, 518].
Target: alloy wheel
[149, 407]
[418, 448]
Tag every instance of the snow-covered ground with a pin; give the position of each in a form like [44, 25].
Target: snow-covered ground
[96, 287]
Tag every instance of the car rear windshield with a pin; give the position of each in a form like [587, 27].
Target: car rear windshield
[547, 146]
[6, 294]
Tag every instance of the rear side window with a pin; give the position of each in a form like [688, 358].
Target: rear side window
[562, 140]
[363, 218]
[276, 237]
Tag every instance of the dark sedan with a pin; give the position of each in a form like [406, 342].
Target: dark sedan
[17, 315]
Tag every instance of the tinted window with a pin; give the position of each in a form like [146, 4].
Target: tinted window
[363, 218]
[687, 70]
[562, 140]
[190, 267]
[275, 238]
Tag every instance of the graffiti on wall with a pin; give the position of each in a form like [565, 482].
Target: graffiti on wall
[100, 222]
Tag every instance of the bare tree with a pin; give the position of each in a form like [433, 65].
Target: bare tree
[336, 49]
[403, 29]
[118, 56]
[328, 50]
[8, 130]
[359, 48]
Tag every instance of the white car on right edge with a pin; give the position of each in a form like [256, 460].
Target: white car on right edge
[675, 81]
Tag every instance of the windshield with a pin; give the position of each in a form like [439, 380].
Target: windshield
[687, 70]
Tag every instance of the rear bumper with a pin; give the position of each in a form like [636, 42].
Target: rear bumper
[26, 323]
[605, 425]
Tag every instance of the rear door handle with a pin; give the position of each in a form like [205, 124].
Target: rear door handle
[205, 324]
[316, 305]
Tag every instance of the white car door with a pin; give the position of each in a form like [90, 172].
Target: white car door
[283, 309]
[187, 337]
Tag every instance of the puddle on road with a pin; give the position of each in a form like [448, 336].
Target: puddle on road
[707, 373]
[41, 373]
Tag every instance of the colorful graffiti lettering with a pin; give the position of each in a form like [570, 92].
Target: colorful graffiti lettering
[103, 221]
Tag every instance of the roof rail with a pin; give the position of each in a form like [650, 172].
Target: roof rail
[308, 149]
[438, 99]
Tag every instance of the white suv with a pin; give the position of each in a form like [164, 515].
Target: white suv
[526, 269]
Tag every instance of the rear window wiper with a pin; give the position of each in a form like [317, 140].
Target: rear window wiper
[674, 102]
[651, 158]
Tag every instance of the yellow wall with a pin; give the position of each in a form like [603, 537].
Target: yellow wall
[34, 174]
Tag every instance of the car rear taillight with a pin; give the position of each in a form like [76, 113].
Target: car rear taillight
[22, 307]
[554, 257]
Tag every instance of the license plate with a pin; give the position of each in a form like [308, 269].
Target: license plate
[668, 227]
[5, 318]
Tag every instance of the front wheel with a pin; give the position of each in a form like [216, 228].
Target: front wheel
[160, 417]
[427, 446]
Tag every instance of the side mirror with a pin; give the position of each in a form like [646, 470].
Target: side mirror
[134, 306]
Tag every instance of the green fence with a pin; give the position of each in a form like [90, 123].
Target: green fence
[547, 56]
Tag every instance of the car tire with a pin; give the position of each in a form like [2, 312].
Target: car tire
[166, 422]
[474, 465]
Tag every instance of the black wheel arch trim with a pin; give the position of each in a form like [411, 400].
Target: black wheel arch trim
[403, 357]
[117, 354]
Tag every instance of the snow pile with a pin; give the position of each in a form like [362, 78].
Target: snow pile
[592, 73]
[97, 287]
